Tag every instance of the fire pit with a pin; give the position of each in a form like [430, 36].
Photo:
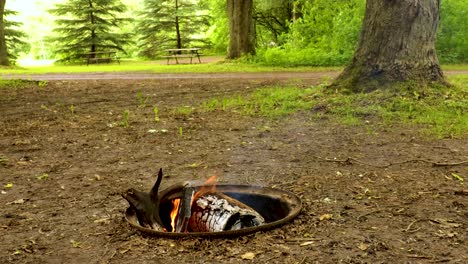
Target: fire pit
[208, 210]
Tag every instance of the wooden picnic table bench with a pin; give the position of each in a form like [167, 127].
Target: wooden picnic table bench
[176, 54]
[101, 56]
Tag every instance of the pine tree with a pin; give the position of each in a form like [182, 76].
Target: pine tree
[14, 38]
[3, 49]
[170, 24]
[88, 26]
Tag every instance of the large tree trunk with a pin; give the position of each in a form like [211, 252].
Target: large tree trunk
[397, 45]
[241, 29]
[3, 49]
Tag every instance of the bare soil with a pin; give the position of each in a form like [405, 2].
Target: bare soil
[371, 193]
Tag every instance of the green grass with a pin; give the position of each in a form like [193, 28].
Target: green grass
[159, 67]
[440, 112]
[15, 83]
[455, 67]
[268, 102]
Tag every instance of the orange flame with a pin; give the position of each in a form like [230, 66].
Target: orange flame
[174, 213]
[208, 187]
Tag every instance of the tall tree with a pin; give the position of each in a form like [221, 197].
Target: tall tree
[3, 49]
[397, 44]
[171, 24]
[15, 39]
[89, 26]
[241, 28]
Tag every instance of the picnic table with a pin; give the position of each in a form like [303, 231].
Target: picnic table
[101, 56]
[176, 54]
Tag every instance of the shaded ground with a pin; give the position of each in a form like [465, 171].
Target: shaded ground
[371, 194]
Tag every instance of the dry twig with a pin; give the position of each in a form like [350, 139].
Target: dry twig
[350, 160]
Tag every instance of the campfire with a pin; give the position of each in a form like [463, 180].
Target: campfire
[209, 209]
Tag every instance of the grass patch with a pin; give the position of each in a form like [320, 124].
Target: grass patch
[440, 110]
[454, 67]
[15, 83]
[268, 102]
[160, 67]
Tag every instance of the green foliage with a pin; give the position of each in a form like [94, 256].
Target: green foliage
[273, 19]
[452, 37]
[171, 24]
[15, 83]
[16, 39]
[218, 31]
[88, 26]
[325, 33]
[441, 111]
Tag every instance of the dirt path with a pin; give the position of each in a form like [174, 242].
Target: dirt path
[162, 76]
[371, 193]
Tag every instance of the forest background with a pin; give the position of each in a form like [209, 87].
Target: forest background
[287, 32]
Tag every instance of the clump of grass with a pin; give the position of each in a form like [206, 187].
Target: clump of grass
[72, 109]
[15, 83]
[3, 160]
[268, 102]
[142, 100]
[125, 122]
[439, 110]
[183, 111]
[43, 176]
[156, 114]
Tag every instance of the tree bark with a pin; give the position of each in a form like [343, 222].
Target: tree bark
[3, 49]
[241, 29]
[177, 25]
[397, 45]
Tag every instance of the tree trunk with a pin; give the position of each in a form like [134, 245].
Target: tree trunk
[241, 29]
[177, 25]
[3, 49]
[93, 31]
[397, 45]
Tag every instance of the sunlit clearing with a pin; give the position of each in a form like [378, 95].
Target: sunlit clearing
[31, 62]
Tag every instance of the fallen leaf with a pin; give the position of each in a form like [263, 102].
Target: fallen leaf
[307, 243]
[446, 234]
[325, 217]
[445, 222]
[19, 201]
[102, 220]
[363, 246]
[8, 185]
[248, 256]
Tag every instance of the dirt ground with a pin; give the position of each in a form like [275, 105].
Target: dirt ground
[370, 193]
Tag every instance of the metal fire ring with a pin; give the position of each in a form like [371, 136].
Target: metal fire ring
[288, 200]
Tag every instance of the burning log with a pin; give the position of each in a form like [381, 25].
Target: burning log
[217, 212]
[195, 210]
